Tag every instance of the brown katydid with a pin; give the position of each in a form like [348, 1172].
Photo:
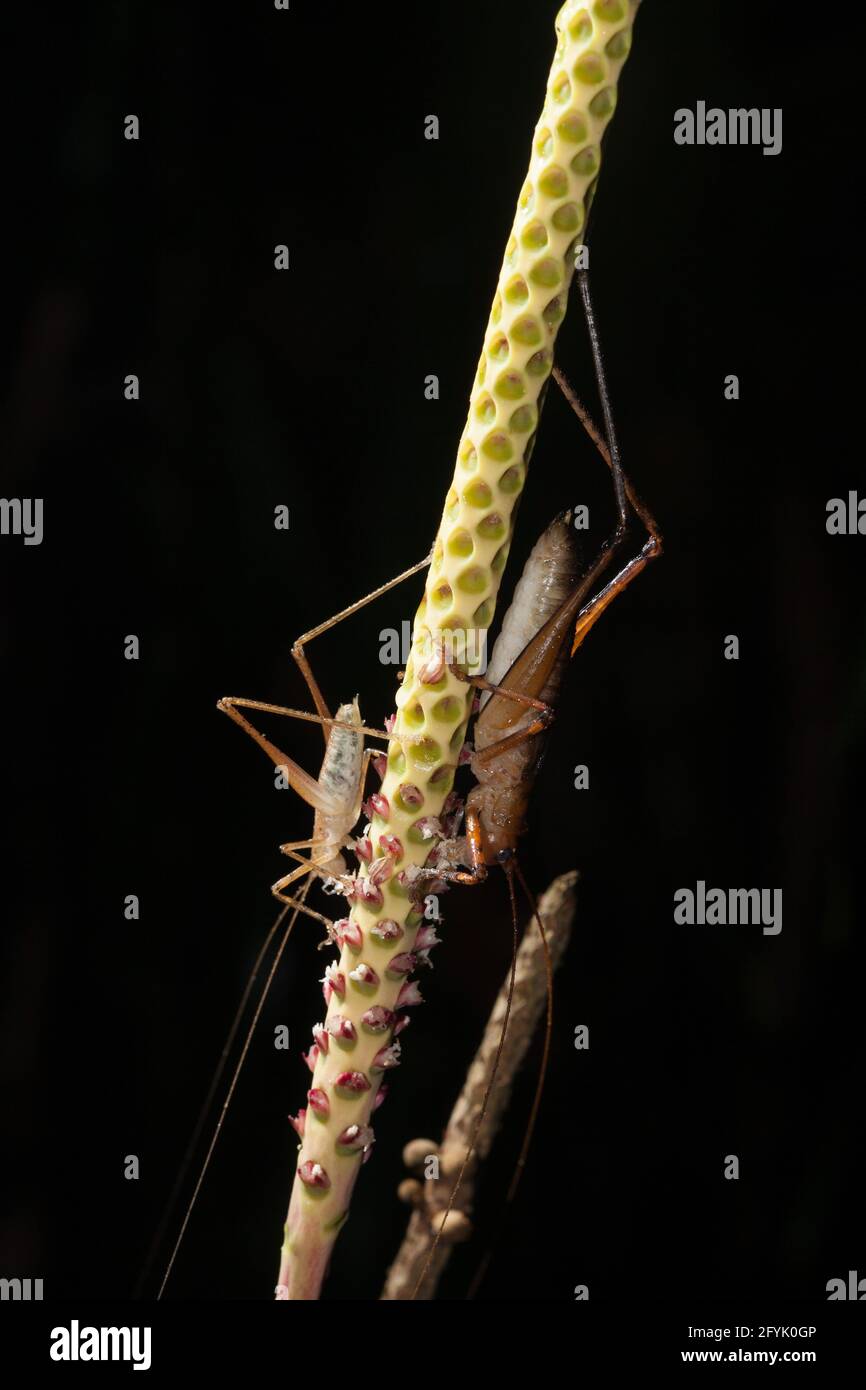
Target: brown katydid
[549, 618]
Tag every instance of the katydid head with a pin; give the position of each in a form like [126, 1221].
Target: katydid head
[495, 822]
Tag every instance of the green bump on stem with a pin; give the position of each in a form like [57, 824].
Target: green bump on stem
[425, 754]
[568, 217]
[447, 709]
[590, 69]
[523, 419]
[460, 544]
[561, 89]
[609, 11]
[618, 47]
[468, 457]
[593, 40]
[572, 128]
[526, 331]
[497, 564]
[534, 236]
[516, 290]
[478, 495]
[497, 446]
[602, 105]
[474, 580]
[493, 527]
[509, 386]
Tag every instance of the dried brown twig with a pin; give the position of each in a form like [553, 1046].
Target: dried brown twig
[430, 1194]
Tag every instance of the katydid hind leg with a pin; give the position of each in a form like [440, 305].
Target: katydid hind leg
[637, 505]
[589, 616]
[624, 493]
[606, 408]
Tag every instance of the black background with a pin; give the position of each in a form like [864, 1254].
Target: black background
[306, 388]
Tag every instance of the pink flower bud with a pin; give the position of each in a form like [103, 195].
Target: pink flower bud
[364, 974]
[387, 930]
[410, 795]
[402, 964]
[409, 994]
[380, 806]
[366, 891]
[432, 668]
[381, 1095]
[319, 1102]
[381, 869]
[342, 1028]
[333, 982]
[391, 846]
[354, 1081]
[402, 1022]
[364, 848]
[386, 1058]
[311, 1057]
[298, 1121]
[377, 1019]
[426, 827]
[314, 1175]
[349, 933]
[320, 1035]
[355, 1137]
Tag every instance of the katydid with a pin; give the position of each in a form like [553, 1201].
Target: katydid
[549, 618]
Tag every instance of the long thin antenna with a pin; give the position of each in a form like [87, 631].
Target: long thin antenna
[237, 1071]
[604, 397]
[548, 1034]
[204, 1111]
